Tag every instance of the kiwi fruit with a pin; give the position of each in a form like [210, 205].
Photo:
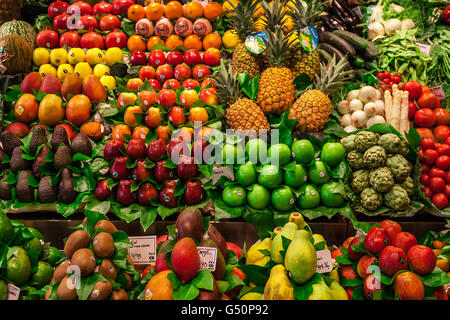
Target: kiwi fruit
[60, 271]
[24, 192]
[103, 245]
[59, 136]
[84, 258]
[106, 225]
[63, 157]
[119, 295]
[129, 283]
[77, 240]
[108, 269]
[102, 290]
[46, 192]
[18, 162]
[5, 187]
[66, 289]
[67, 193]
[81, 144]
[9, 142]
[40, 161]
[38, 138]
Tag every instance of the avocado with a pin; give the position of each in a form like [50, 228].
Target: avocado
[9, 142]
[40, 161]
[103, 245]
[18, 162]
[81, 144]
[67, 193]
[5, 188]
[24, 192]
[59, 136]
[46, 192]
[6, 228]
[63, 157]
[38, 138]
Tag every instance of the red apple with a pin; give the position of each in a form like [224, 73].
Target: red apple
[376, 240]
[404, 240]
[18, 129]
[156, 58]
[164, 72]
[392, 260]
[363, 267]
[200, 72]
[370, 285]
[155, 84]
[171, 84]
[112, 149]
[421, 259]
[353, 255]
[138, 58]
[190, 84]
[212, 57]
[174, 58]
[391, 227]
[408, 286]
[182, 72]
[167, 98]
[136, 149]
[176, 116]
[147, 72]
[192, 57]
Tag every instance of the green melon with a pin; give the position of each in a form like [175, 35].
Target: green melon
[20, 52]
[21, 28]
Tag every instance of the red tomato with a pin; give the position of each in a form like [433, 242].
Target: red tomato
[443, 149]
[424, 180]
[437, 184]
[443, 162]
[414, 89]
[425, 168]
[427, 192]
[442, 116]
[440, 200]
[425, 118]
[447, 177]
[412, 109]
[428, 100]
[430, 156]
[447, 191]
[425, 132]
[425, 89]
[441, 133]
[436, 172]
[427, 143]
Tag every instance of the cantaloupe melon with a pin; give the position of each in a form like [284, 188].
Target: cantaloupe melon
[21, 28]
[20, 52]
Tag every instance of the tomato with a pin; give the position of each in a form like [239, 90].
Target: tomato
[440, 200]
[395, 79]
[425, 168]
[447, 141]
[447, 191]
[412, 108]
[430, 156]
[425, 89]
[437, 173]
[443, 162]
[441, 133]
[386, 81]
[442, 116]
[437, 184]
[428, 100]
[425, 180]
[427, 143]
[425, 118]
[447, 177]
[425, 132]
[427, 192]
[414, 89]
[443, 149]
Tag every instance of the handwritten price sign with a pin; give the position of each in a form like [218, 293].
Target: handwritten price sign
[208, 257]
[143, 250]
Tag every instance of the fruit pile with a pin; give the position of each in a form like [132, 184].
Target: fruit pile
[28, 262]
[388, 263]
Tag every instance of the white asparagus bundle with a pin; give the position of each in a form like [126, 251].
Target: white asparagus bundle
[396, 100]
[387, 105]
[404, 119]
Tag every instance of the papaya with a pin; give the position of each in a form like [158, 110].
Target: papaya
[278, 286]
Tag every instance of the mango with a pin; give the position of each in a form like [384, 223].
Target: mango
[31, 82]
[278, 286]
[26, 108]
[50, 84]
[93, 88]
[301, 258]
[51, 111]
[71, 85]
[185, 259]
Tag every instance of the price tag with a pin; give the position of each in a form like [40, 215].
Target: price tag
[439, 92]
[255, 43]
[143, 250]
[309, 39]
[324, 262]
[13, 292]
[208, 258]
[424, 48]
[222, 171]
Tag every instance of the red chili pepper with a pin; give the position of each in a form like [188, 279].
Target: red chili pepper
[446, 15]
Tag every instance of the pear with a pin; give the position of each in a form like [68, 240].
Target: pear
[298, 219]
[338, 292]
[278, 287]
[321, 292]
[301, 258]
[319, 238]
[334, 274]
[277, 243]
[252, 296]
[254, 255]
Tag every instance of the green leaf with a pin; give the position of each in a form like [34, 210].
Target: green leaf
[98, 206]
[87, 285]
[165, 212]
[186, 291]
[302, 81]
[340, 171]
[80, 157]
[436, 278]
[204, 280]
[303, 292]
[148, 217]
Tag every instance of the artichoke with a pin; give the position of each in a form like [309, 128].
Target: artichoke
[355, 160]
[348, 142]
[365, 140]
[370, 199]
[374, 157]
[399, 167]
[408, 185]
[397, 198]
[360, 180]
[404, 148]
[381, 179]
[390, 142]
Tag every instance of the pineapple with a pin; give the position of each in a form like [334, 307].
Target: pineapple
[243, 20]
[304, 15]
[276, 88]
[243, 115]
[312, 109]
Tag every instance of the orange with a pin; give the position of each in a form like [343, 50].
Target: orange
[153, 41]
[193, 10]
[93, 130]
[192, 41]
[198, 114]
[51, 111]
[128, 116]
[136, 43]
[140, 132]
[212, 10]
[212, 40]
[78, 109]
[154, 11]
[174, 41]
[159, 287]
[173, 10]
[119, 131]
[136, 12]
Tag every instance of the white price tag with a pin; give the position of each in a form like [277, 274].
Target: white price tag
[424, 48]
[324, 262]
[439, 92]
[219, 171]
[143, 250]
[208, 257]
[13, 292]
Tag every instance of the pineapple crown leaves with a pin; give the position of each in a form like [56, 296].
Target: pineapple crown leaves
[275, 14]
[227, 84]
[306, 14]
[332, 76]
[277, 46]
[244, 16]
